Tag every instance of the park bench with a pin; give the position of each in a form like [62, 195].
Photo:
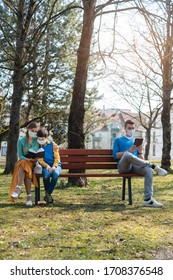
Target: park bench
[95, 162]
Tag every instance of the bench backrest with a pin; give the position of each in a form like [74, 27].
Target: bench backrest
[87, 159]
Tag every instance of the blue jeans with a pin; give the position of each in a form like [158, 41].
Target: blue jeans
[132, 164]
[50, 179]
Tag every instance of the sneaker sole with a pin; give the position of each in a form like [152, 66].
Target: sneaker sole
[29, 205]
[154, 206]
[15, 195]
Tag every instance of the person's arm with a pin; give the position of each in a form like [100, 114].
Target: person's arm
[120, 154]
[140, 154]
[57, 160]
[117, 154]
[20, 150]
[116, 149]
[42, 162]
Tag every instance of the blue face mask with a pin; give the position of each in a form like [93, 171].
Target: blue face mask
[130, 132]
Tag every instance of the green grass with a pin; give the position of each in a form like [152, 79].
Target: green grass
[89, 223]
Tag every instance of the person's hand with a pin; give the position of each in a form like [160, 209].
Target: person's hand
[56, 148]
[132, 149]
[53, 168]
[139, 148]
[49, 168]
[33, 159]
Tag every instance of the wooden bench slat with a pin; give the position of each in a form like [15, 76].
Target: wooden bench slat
[79, 165]
[72, 158]
[126, 175]
[85, 152]
[99, 175]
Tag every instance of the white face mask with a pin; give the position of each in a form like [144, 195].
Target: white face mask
[32, 134]
[130, 132]
[41, 142]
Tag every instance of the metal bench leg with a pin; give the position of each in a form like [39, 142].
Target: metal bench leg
[124, 188]
[37, 191]
[130, 190]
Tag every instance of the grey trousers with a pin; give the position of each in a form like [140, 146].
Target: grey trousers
[132, 164]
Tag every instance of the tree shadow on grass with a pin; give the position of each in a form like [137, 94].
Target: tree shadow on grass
[11, 205]
[86, 207]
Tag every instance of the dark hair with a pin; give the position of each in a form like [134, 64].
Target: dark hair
[128, 122]
[42, 133]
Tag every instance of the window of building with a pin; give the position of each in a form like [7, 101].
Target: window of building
[154, 150]
[3, 151]
[114, 134]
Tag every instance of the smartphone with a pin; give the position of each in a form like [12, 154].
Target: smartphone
[138, 141]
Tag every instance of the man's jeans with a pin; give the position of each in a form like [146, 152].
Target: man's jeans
[132, 164]
[49, 184]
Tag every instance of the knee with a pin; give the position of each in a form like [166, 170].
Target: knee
[127, 154]
[55, 175]
[46, 177]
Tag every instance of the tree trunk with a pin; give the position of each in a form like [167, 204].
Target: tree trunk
[23, 23]
[166, 126]
[76, 136]
[167, 88]
[148, 141]
[14, 121]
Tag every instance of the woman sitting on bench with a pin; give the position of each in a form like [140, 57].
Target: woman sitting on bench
[23, 171]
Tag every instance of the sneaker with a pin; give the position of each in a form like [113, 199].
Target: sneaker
[29, 200]
[48, 198]
[152, 203]
[160, 171]
[17, 192]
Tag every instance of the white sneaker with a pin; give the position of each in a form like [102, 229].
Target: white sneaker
[29, 200]
[160, 171]
[152, 203]
[17, 192]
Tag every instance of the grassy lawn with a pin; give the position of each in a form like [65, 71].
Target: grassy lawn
[88, 223]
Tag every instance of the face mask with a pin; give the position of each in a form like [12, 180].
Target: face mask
[32, 134]
[130, 132]
[41, 142]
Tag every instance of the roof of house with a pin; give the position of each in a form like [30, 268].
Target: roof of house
[118, 118]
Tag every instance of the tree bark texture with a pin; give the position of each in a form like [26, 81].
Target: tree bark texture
[77, 111]
[148, 141]
[167, 88]
[76, 137]
[23, 23]
[166, 127]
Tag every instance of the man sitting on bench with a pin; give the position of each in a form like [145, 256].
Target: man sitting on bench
[130, 160]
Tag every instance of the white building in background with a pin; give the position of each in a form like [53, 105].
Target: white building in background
[3, 150]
